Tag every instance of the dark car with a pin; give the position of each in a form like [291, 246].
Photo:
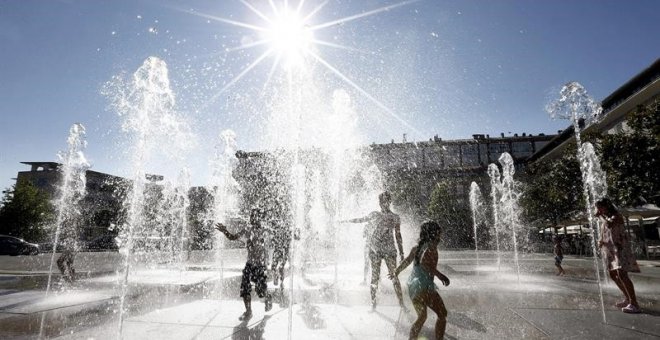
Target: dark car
[101, 243]
[13, 246]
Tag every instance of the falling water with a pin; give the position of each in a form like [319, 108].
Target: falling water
[576, 105]
[509, 203]
[476, 205]
[71, 191]
[179, 237]
[223, 188]
[495, 192]
[146, 105]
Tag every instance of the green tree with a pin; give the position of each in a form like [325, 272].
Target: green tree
[454, 215]
[406, 194]
[26, 212]
[632, 160]
[552, 189]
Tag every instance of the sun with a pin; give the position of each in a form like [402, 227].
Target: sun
[288, 34]
[289, 37]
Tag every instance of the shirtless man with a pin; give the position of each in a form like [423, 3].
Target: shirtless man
[255, 267]
[386, 227]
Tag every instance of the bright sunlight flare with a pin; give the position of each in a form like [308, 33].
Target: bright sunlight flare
[289, 37]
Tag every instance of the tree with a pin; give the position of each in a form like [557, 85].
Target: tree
[632, 160]
[26, 212]
[453, 215]
[406, 194]
[552, 191]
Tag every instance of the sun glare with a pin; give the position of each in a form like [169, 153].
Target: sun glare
[290, 37]
[290, 40]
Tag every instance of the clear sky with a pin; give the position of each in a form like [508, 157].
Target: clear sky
[451, 68]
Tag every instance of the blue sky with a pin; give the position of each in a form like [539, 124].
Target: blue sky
[451, 68]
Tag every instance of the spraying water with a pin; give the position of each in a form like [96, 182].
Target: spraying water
[476, 205]
[146, 105]
[71, 191]
[576, 105]
[495, 192]
[509, 203]
[223, 189]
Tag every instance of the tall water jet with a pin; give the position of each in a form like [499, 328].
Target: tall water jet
[180, 231]
[509, 203]
[223, 189]
[576, 105]
[146, 105]
[495, 193]
[477, 206]
[71, 190]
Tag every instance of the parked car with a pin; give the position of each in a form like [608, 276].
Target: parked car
[101, 243]
[13, 246]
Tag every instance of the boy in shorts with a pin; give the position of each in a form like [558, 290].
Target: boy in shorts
[255, 267]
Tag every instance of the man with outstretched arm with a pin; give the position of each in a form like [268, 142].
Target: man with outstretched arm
[386, 228]
[255, 267]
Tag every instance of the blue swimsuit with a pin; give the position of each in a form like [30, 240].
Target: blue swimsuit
[420, 281]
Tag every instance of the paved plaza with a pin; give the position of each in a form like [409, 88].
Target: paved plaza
[198, 300]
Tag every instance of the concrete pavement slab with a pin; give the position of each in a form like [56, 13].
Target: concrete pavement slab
[588, 324]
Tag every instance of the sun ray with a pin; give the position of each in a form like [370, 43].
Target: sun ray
[227, 21]
[314, 11]
[327, 43]
[299, 7]
[246, 46]
[361, 15]
[238, 77]
[272, 70]
[272, 5]
[256, 11]
[363, 92]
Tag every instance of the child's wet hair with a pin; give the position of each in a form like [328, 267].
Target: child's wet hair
[427, 233]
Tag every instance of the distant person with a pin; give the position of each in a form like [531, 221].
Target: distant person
[617, 252]
[559, 255]
[422, 290]
[281, 249]
[255, 267]
[65, 261]
[69, 247]
[386, 227]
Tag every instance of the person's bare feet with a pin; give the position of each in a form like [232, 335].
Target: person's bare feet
[631, 309]
[246, 316]
[622, 304]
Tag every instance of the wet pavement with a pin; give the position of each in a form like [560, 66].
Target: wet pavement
[199, 300]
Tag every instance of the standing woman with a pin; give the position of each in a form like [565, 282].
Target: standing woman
[421, 288]
[615, 248]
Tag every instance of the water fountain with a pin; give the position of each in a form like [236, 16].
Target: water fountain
[155, 216]
[223, 189]
[495, 193]
[320, 177]
[476, 206]
[71, 191]
[509, 208]
[576, 105]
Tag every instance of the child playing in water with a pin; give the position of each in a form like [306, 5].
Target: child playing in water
[422, 290]
[385, 229]
[255, 267]
[617, 251]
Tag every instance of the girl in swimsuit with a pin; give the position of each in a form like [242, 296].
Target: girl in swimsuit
[422, 290]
